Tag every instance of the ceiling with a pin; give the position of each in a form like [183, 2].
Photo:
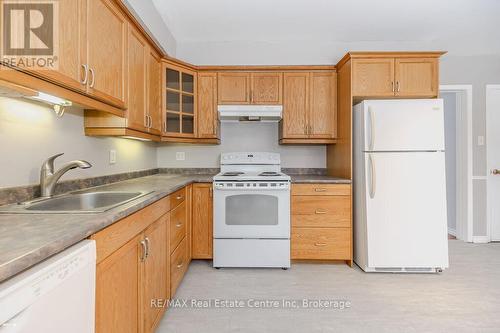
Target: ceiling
[463, 27]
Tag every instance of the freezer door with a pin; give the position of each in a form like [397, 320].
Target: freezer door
[406, 210]
[403, 125]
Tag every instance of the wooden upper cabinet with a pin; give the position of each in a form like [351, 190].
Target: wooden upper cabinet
[373, 77]
[208, 124]
[71, 45]
[179, 101]
[117, 290]
[309, 107]
[322, 112]
[400, 75]
[295, 105]
[266, 88]
[154, 91]
[106, 51]
[416, 77]
[202, 203]
[137, 62]
[234, 88]
[155, 272]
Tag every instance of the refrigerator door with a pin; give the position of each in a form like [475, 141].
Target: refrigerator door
[403, 125]
[406, 210]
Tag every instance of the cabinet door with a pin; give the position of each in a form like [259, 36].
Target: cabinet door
[233, 88]
[106, 37]
[295, 105]
[180, 102]
[202, 221]
[117, 290]
[322, 112]
[71, 45]
[137, 55]
[266, 88]
[373, 77]
[155, 278]
[154, 92]
[417, 77]
[207, 106]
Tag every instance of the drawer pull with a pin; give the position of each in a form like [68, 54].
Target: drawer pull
[320, 211]
[180, 265]
[178, 225]
[320, 189]
[320, 244]
[179, 197]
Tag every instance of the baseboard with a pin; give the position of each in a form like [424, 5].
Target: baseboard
[452, 232]
[480, 239]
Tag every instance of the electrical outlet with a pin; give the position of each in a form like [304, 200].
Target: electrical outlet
[180, 156]
[112, 156]
[480, 140]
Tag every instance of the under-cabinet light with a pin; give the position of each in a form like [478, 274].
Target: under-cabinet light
[135, 138]
[59, 104]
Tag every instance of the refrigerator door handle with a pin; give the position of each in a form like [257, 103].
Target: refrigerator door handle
[372, 127]
[373, 177]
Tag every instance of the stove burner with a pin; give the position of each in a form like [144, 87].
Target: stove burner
[269, 173]
[233, 173]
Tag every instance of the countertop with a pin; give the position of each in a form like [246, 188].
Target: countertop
[312, 179]
[27, 239]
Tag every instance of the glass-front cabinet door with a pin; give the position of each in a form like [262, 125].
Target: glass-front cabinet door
[179, 102]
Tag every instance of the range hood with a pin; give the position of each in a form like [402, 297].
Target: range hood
[264, 113]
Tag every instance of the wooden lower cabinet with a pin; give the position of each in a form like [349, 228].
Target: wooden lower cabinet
[117, 290]
[179, 262]
[202, 225]
[155, 274]
[321, 222]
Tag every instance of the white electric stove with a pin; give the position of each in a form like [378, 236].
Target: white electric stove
[251, 212]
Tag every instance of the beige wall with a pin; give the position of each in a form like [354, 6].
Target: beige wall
[30, 132]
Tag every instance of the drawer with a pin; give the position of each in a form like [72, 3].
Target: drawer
[321, 243]
[321, 189]
[177, 225]
[178, 266]
[321, 211]
[177, 197]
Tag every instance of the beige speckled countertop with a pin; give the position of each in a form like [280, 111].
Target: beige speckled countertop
[27, 239]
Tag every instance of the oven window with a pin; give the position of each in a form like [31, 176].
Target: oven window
[251, 209]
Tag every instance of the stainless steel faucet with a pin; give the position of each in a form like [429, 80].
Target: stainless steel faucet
[49, 178]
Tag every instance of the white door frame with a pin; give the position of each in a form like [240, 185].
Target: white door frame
[489, 219]
[465, 227]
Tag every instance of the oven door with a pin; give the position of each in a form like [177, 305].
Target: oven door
[251, 212]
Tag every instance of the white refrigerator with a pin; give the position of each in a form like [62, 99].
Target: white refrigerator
[400, 222]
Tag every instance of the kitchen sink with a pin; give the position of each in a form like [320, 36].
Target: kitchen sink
[78, 202]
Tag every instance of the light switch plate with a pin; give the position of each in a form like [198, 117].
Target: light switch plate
[112, 156]
[480, 140]
[180, 156]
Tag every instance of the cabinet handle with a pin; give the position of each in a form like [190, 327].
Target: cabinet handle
[320, 244]
[180, 265]
[146, 118]
[320, 190]
[397, 87]
[320, 211]
[179, 197]
[86, 74]
[93, 77]
[392, 86]
[147, 246]
[150, 121]
[211, 192]
[144, 250]
[178, 225]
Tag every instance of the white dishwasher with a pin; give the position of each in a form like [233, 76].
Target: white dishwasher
[56, 296]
